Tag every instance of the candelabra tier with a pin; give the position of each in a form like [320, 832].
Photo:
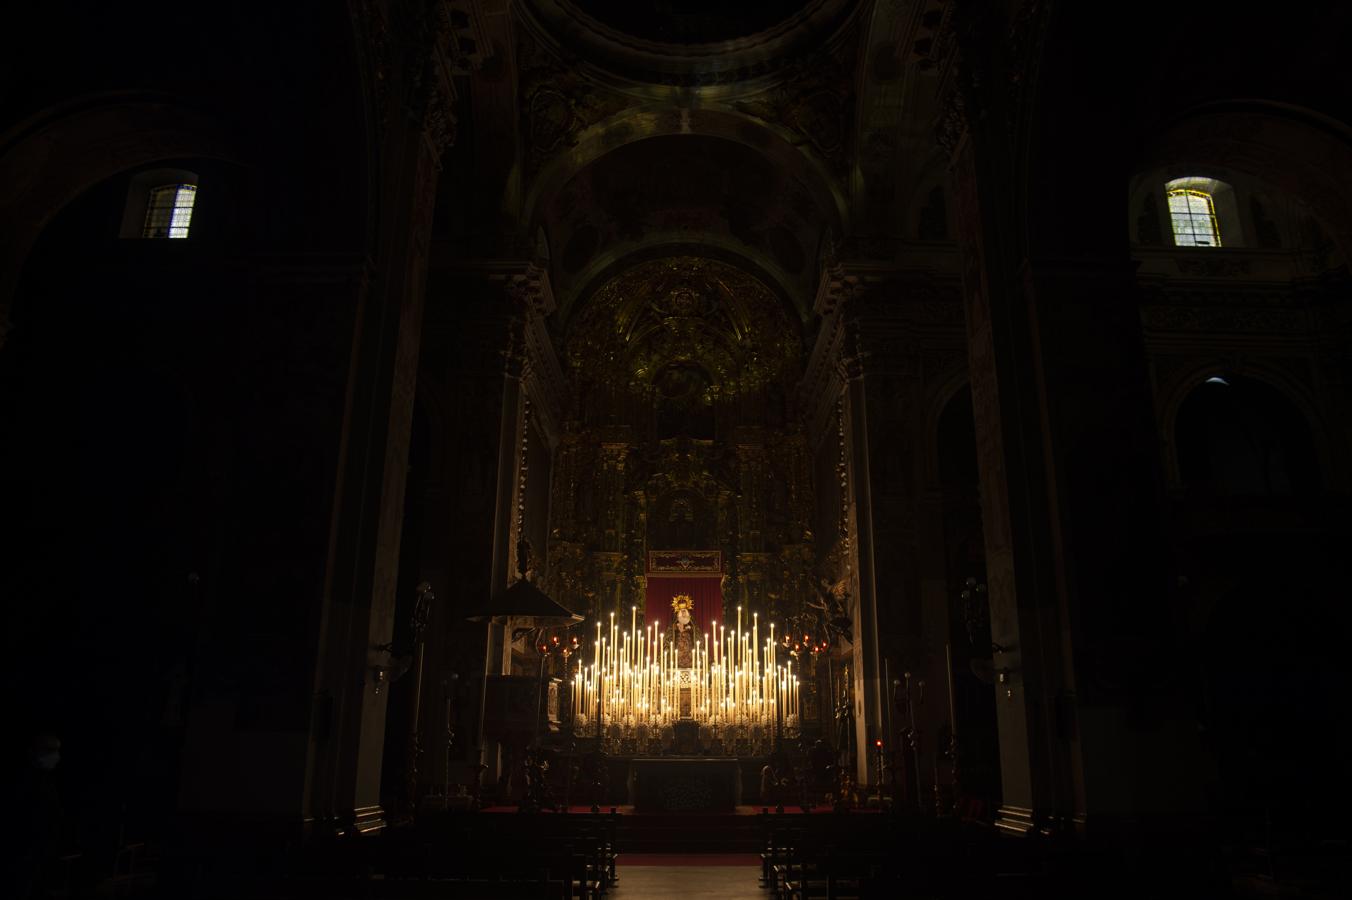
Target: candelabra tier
[638, 689]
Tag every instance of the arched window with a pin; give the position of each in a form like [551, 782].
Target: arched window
[1192, 210]
[160, 204]
[169, 211]
[957, 442]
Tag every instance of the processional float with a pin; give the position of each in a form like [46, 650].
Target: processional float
[643, 684]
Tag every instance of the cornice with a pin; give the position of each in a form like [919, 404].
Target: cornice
[414, 55]
[543, 378]
[634, 65]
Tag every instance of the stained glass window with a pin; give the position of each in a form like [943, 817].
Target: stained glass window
[169, 213]
[1194, 218]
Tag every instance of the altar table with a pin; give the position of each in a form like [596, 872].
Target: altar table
[685, 784]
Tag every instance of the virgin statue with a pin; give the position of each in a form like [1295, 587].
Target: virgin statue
[683, 632]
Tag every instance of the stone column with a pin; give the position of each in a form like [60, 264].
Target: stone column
[868, 675]
[910, 327]
[1088, 706]
[357, 621]
[488, 357]
[360, 583]
[498, 650]
[256, 718]
[1025, 611]
[466, 366]
[834, 396]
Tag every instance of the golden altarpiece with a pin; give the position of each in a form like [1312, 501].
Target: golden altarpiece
[683, 436]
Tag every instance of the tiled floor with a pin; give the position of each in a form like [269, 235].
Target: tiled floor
[687, 882]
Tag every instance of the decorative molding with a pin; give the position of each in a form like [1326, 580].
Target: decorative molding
[556, 104]
[876, 318]
[1256, 294]
[617, 58]
[372, 20]
[850, 364]
[834, 288]
[987, 64]
[951, 126]
[685, 562]
[822, 386]
[816, 101]
[416, 52]
[837, 341]
[906, 300]
[466, 37]
[1211, 266]
[439, 121]
[532, 352]
[1222, 320]
[529, 287]
[687, 327]
[456, 41]
[1027, 38]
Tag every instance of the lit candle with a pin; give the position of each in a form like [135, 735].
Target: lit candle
[704, 674]
[952, 699]
[755, 643]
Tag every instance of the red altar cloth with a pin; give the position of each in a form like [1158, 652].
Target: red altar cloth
[706, 595]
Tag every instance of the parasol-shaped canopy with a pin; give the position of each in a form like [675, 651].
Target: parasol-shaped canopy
[524, 603]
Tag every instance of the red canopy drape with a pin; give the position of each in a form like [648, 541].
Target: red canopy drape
[706, 595]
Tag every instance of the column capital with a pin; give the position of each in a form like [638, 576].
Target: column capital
[527, 285]
[836, 286]
[414, 58]
[987, 62]
[528, 289]
[852, 367]
[844, 282]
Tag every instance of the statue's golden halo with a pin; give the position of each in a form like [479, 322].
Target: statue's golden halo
[681, 601]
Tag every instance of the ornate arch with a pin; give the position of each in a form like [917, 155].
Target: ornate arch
[1295, 150]
[1300, 396]
[52, 158]
[647, 121]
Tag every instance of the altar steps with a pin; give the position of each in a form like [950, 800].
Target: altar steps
[644, 834]
[688, 833]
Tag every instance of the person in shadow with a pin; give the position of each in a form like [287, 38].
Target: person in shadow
[820, 760]
[773, 780]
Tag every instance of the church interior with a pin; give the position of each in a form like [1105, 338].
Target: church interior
[792, 448]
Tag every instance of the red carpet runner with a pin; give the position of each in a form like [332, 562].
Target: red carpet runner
[688, 859]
